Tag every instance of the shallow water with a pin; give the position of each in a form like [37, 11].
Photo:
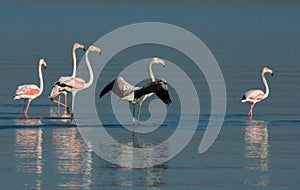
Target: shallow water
[47, 150]
[245, 155]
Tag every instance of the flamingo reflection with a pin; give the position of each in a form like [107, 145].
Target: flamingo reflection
[128, 157]
[74, 156]
[257, 150]
[29, 150]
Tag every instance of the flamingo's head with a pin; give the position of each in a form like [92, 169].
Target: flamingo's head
[56, 90]
[43, 62]
[94, 48]
[77, 45]
[158, 61]
[267, 70]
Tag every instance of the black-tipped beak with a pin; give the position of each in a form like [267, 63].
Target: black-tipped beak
[84, 49]
[271, 74]
[45, 67]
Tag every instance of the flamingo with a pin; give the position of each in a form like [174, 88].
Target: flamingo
[74, 84]
[31, 91]
[137, 95]
[56, 90]
[254, 96]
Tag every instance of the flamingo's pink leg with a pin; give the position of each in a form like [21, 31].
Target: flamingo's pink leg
[250, 118]
[24, 106]
[58, 105]
[66, 103]
[250, 111]
[73, 101]
[28, 104]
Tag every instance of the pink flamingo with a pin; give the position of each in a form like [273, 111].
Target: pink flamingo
[31, 91]
[75, 84]
[57, 90]
[254, 96]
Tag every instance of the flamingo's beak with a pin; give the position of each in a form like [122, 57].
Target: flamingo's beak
[84, 49]
[271, 74]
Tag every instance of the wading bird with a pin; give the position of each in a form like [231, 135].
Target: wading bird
[75, 84]
[137, 95]
[63, 79]
[254, 96]
[28, 92]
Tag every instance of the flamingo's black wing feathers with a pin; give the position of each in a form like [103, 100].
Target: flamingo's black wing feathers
[159, 87]
[163, 93]
[63, 85]
[107, 88]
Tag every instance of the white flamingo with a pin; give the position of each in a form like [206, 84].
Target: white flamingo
[74, 84]
[254, 96]
[137, 95]
[30, 91]
[56, 90]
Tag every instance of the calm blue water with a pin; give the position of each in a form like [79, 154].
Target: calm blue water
[46, 151]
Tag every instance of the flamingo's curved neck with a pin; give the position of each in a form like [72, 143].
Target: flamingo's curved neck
[90, 82]
[266, 85]
[41, 79]
[74, 62]
[150, 71]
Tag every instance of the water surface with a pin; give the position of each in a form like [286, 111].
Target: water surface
[47, 151]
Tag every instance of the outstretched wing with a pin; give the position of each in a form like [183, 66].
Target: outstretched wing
[119, 86]
[159, 87]
[122, 88]
[107, 88]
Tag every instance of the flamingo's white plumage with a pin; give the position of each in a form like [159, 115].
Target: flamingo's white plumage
[30, 91]
[254, 96]
[75, 84]
[56, 90]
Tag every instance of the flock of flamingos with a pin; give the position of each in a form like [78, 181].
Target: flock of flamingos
[133, 94]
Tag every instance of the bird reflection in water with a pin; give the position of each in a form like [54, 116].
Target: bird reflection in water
[257, 151]
[150, 176]
[59, 117]
[29, 151]
[74, 156]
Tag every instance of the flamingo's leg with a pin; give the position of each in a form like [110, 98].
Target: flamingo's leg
[55, 101]
[58, 105]
[250, 118]
[251, 108]
[138, 120]
[24, 106]
[139, 111]
[73, 103]
[66, 103]
[133, 114]
[26, 110]
[59, 102]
